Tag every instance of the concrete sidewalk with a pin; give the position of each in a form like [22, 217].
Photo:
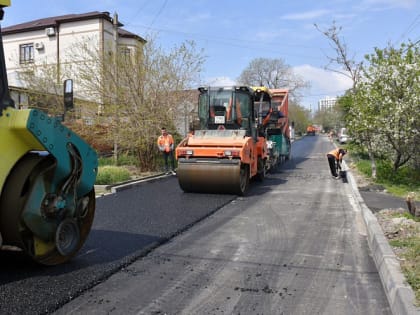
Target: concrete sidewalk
[400, 295]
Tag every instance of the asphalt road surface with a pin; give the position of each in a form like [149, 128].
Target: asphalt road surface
[293, 245]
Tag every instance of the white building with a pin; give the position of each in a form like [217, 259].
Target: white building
[52, 41]
[327, 103]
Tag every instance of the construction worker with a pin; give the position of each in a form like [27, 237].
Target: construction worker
[166, 145]
[335, 158]
[237, 111]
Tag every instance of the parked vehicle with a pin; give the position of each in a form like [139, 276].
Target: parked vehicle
[343, 136]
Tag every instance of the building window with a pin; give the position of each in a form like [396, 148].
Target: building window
[125, 52]
[26, 53]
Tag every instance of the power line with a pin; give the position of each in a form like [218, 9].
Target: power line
[409, 29]
[411, 45]
[142, 6]
[206, 37]
[235, 42]
[159, 12]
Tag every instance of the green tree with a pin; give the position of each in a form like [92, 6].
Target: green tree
[331, 118]
[299, 115]
[387, 103]
[362, 123]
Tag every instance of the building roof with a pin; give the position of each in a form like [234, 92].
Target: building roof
[54, 21]
[124, 33]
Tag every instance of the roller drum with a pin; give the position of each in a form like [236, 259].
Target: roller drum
[17, 230]
[212, 176]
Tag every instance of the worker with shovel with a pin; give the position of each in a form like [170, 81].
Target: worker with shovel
[335, 158]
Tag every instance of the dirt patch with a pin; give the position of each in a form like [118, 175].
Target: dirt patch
[397, 227]
[394, 224]
[402, 232]
[363, 183]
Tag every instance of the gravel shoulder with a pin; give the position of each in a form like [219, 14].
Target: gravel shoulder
[401, 232]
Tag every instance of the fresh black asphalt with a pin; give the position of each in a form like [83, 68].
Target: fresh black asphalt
[126, 225]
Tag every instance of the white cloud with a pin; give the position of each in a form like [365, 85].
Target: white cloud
[387, 4]
[308, 15]
[323, 82]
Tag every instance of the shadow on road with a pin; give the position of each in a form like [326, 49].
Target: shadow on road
[105, 248]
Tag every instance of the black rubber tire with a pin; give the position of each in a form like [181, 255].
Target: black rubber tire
[260, 170]
[244, 180]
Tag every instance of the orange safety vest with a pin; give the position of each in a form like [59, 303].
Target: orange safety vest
[336, 153]
[238, 111]
[165, 142]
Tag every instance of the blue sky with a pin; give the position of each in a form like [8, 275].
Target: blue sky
[233, 33]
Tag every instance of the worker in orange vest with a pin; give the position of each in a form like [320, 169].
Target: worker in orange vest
[335, 158]
[237, 111]
[166, 145]
[191, 132]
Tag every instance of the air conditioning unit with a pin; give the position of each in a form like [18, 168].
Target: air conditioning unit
[39, 46]
[50, 31]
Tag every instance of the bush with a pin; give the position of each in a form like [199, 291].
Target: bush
[123, 159]
[111, 174]
[399, 183]
[364, 166]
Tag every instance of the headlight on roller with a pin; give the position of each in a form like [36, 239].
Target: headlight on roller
[231, 153]
[186, 152]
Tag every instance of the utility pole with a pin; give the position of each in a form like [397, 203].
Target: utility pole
[115, 85]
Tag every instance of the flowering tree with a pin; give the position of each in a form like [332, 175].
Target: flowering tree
[386, 108]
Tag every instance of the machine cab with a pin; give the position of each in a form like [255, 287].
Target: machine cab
[224, 108]
[262, 102]
[263, 108]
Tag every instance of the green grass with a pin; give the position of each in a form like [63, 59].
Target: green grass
[407, 216]
[111, 174]
[411, 265]
[398, 183]
[123, 159]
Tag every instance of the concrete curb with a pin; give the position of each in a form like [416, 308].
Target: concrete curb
[399, 294]
[116, 188]
[112, 189]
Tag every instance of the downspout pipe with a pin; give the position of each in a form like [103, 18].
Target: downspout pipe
[5, 99]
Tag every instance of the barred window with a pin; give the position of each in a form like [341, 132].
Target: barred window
[126, 54]
[26, 53]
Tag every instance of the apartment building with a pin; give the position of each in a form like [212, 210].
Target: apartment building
[52, 41]
[327, 103]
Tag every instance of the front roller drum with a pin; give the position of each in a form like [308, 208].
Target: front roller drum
[70, 234]
[213, 177]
